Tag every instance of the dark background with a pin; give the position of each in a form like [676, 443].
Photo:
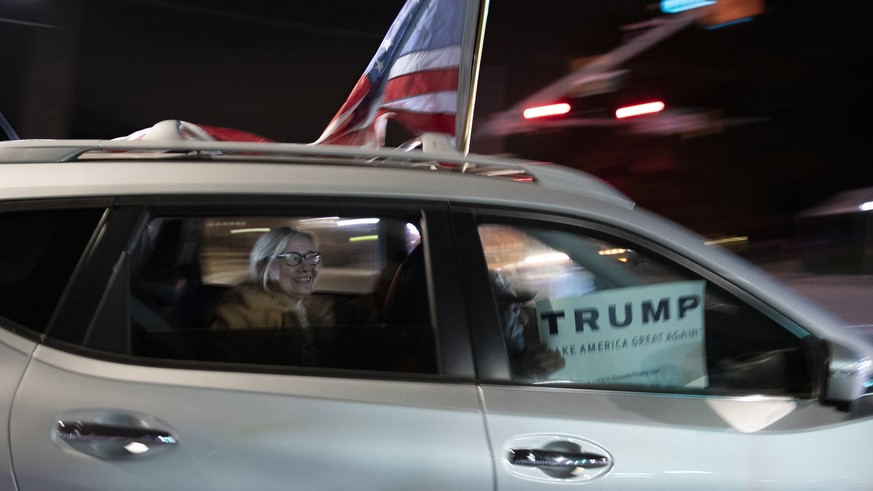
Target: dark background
[791, 86]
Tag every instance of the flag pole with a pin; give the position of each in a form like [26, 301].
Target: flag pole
[471, 57]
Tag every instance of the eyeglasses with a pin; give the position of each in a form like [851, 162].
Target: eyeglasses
[312, 258]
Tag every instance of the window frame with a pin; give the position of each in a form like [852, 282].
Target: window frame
[105, 277]
[491, 355]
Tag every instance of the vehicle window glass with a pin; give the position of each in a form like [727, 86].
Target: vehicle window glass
[38, 253]
[314, 291]
[579, 309]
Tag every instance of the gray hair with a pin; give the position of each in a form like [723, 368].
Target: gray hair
[267, 247]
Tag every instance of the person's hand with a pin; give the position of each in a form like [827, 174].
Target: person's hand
[541, 360]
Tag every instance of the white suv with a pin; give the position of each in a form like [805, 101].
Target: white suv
[500, 325]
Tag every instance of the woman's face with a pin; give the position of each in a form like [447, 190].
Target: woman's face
[295, 281]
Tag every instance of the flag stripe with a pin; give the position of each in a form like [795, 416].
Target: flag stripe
[421, 83]
[437, 102]
[426, 60]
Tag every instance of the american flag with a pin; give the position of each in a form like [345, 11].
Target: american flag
[413, 78]
[173, 129]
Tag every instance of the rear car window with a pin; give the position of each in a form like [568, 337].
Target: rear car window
[196, 294]
[38, 254]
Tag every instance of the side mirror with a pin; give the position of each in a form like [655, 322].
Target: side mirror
[848, 377]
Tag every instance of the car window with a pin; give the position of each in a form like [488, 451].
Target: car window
[582, 309]
[335, 292]
[38, 254]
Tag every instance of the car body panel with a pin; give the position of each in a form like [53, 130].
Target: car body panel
[672, 442]
[238, 429]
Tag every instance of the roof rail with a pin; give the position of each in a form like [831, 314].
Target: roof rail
[560, 178]
[547, 175]
[33, 151]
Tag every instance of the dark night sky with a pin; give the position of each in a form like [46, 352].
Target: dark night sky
[275, 67]
[282, 68]
[270, 70]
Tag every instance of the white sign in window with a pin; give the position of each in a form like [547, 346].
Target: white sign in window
[643, 335]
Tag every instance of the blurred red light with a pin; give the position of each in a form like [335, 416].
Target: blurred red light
[547, 110]
[639, 109]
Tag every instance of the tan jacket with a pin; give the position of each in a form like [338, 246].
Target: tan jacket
[266, 328]
[249, 307]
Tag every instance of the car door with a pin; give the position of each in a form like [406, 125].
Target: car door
[606, 360]
[122, 397]
[38, 254]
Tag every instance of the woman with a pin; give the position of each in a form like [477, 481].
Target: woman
[285, 322]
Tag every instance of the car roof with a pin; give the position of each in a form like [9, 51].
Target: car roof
[129, 167]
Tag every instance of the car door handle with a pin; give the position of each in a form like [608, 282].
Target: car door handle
[555, 459]
[111, 441]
